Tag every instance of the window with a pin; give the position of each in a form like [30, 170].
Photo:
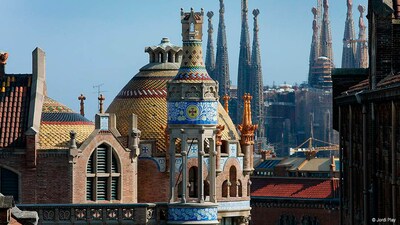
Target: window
[103, 175]
[9, 183]
[233, 181]
[193, 182]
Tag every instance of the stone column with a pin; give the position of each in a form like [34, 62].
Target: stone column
[172, 169]
[184, 167]
[213, 174]
[200, 157]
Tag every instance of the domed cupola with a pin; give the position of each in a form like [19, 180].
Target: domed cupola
[57, 121]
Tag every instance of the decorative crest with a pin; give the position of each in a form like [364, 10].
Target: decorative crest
[3, 58]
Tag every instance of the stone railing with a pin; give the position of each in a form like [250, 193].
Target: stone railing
[66, 214]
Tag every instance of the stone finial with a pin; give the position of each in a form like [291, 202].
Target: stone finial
[326, 5]
[3, 58]
[101, 99]
[72, 139]
[220, 128]
[210, 14]
[247, 128]
[361, 9]
[221, 7]
[82, 98]
[349, 3]
[256, 12]
[226, 99]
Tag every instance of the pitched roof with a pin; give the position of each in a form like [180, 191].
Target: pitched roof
[316, 164]
[295, 188]
[14, 107]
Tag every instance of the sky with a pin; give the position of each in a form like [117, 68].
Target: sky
[101, 42]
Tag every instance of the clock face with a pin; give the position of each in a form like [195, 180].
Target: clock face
[348, 45]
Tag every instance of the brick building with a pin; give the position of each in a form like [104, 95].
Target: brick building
[46, 147]
[367, 118]
[295, 191]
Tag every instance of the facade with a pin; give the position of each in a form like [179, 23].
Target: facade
[295, 191]
[367, 120]
[280, 118]
[42, 138]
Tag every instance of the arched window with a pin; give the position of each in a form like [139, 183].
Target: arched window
[193, 182]
[206, 189]
[233, 181]
[9, 184]
[170, 55]
[103, 175]
[239, 188]
[225, 188]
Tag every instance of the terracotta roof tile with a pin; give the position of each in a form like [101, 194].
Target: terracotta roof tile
[298, 188]
[389, 81]
[14, 107]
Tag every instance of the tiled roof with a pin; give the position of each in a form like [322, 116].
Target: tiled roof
[14, 107]
[389, 81]
[152, 109]
[268, 164]
[316, 164]
[295, 188]
[363, 85]
[293, 163]
[57, 122]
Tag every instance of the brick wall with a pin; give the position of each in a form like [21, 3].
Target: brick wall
[49, 182]
[127, 165]
[271, 216]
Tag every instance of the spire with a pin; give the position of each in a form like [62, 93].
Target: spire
[362, 48]
[247, 128]
[244, 81]
[326, 36]
[319, 15]
[349, 44]
[210, 60]
[315, 46]
[222, 64]
[256, 76]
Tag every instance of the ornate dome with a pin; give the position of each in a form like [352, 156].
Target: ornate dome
[145, 95]
[57, 122]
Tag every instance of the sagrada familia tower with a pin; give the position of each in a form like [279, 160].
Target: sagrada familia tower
[249, 69]
[355, 50]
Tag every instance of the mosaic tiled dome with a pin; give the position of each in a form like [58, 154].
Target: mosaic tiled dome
[145, 95]
[56, 123]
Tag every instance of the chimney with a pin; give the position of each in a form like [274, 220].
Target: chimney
[3, 62]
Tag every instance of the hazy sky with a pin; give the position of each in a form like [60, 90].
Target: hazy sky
[90, 42]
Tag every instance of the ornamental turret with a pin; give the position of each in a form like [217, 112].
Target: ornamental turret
[247, 130]
[192, 108]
